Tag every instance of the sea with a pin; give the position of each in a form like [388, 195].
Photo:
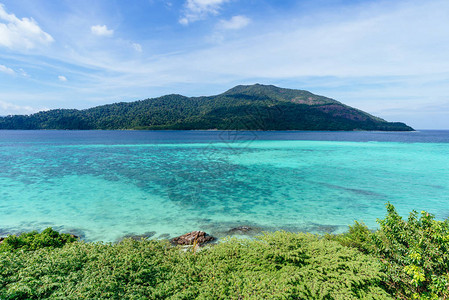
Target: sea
[104, 185]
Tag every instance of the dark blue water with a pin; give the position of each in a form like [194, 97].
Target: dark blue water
[143, 137]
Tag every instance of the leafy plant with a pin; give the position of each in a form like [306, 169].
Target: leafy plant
[358, 236]
[34, 240]
[415, 253]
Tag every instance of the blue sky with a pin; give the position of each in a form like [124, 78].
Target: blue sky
[389, 58]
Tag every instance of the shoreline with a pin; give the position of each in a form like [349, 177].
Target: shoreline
[227, 130]
[247, 231]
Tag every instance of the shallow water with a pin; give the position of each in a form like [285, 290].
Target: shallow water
[106, 184]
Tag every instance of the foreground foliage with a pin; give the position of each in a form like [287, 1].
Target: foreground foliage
[48, 238]
[414, 253]
[405, 259]
[277, 265]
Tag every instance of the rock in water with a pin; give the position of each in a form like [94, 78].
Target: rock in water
[76, 233]
[189, 238]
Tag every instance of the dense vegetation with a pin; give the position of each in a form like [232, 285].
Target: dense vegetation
[48, 238]
[276, 265]
[403, 259]
[414, 253]
[255, 107]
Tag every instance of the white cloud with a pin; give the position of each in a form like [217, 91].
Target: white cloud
[102, 30]
[23, 73]
[7, 108]
[383, 40]
[22, 33]
[236, 22]
[9, 71]
[62, 78]
[199, 9]
[184, 21]
[137, 47]
[5, 69]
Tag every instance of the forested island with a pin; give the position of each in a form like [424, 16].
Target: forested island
[250, 107]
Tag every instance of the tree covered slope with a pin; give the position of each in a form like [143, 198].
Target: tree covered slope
[251, 107]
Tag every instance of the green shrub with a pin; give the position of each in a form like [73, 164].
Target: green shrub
[278, 265]
[34, 240]
[415, 253]
[358, 236]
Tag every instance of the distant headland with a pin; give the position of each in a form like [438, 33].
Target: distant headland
[244, 107]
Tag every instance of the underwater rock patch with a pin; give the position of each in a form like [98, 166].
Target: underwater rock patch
[244, 230]
[320, 228]
[240, 229]
[137, 237]
[5, 232]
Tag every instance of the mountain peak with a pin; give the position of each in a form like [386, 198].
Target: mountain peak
[256, 91]
[253, 88]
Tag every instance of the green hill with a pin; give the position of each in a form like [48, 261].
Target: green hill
[251, 107]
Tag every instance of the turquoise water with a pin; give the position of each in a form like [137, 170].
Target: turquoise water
[104, 185]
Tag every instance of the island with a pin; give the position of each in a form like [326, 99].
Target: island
[244, 107]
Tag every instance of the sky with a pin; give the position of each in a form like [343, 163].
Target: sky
[389, 58]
